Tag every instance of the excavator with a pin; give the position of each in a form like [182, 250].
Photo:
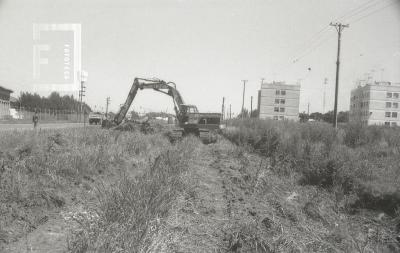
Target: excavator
[189, 120]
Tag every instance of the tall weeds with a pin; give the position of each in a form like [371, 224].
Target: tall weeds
[353, 160]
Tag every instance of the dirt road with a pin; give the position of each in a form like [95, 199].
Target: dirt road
[220, 208]
[4, 127]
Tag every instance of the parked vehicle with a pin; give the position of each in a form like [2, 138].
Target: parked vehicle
[16, 114]
[95, 118]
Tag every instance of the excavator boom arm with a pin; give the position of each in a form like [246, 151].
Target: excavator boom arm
[168, 88]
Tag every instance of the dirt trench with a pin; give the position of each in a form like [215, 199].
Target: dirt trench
[206, 220]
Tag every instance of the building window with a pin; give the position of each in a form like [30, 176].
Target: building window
[277, 92]
[389, 95]
[388, 105]
[396, 95]
[276, 109]
[395, 105]
[282, 109]
[394, 114]
[283, 92]
[387, 114]
[275, 117]
[283, 101]
[281, 117]
[394, 124]
[387, 123]
[277, 101]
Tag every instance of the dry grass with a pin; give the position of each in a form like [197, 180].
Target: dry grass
[130, 212]
[325, 191]
[44, 172]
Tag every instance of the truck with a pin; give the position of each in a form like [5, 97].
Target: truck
[189, 119]
[95, 118]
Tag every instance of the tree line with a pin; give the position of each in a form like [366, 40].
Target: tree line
[35, 102]
[342, 117]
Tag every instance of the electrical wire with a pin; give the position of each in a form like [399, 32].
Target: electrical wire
[359, 9]
[312, 43]
[371, 13]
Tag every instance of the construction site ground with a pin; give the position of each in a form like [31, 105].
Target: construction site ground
[236, 204]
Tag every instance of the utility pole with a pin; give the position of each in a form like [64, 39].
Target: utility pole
[230, 111]
[308, 109]
[339, 28]
[223, 107]
[83, 77]
[244, 90]
[81, 95]
[323, 102]
[107, 103]
[251, 105]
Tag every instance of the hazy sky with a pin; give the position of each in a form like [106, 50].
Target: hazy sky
[208, 47]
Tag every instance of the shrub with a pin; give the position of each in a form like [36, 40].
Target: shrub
[356, 159]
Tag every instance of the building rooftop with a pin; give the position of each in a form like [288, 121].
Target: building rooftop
[281, 83]
[363, 83]
[5, 89]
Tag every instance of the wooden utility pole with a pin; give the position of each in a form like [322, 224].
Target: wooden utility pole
[339, 28]
[230, 111]
[323, 102]
[107, 103]
[223, 108]
[244, 90]
[81, 95]
[251, 105]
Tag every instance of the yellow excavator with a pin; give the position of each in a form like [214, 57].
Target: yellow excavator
[189, 120]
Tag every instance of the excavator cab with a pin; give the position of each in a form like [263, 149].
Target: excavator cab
[189, 109]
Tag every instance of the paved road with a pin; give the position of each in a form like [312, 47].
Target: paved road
[40, 126]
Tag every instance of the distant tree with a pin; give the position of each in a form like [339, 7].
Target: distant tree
[316, 116]
[54, 101]
[328, 117]
[159, 114]
[134, 115]
[343, 117]
[303, 117]
[245, 114]
[254, 114]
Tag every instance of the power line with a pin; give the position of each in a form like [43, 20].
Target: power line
[357, 9]
[371, 13]
[310, 50]
[312, 42]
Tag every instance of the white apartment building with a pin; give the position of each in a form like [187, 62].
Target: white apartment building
[376, 104]
[279, 101]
